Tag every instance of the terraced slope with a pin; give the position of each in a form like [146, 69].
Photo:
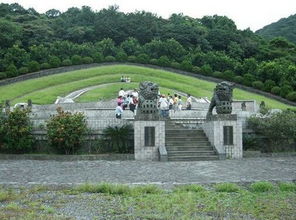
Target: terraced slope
[45, 90]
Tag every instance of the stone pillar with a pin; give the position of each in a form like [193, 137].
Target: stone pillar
[149, 136]
[225, 134]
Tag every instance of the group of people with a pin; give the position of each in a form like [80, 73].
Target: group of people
[175, 103]
[126, 99]
[165, 104]
[125, 79]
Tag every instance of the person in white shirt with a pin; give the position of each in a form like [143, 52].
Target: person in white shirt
[121, 92]
[188, 102]
[163, 106]
[118, 111]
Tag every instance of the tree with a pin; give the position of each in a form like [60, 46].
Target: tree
[10, 33]
[52, 13]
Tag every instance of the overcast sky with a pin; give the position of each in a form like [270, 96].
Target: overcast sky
[253, 14]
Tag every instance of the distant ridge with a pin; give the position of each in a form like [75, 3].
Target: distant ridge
[285, 27]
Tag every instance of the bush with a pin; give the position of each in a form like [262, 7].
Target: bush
[186, 65]
[228, 75]
[33, 66]
[291, 96]
[76, 59]
[196, 69]
[87, 60]
[163, 61]
[268, 85]
[262, 187]
[132, 59]
[278, 130]
[143, 58]
[3, 75]
[121, 56]
[45, 66]
[117, 139]
[288, 187]
[238, 79]
[15, 132]
[258, 85]
[206, 70]
[154, 61]
[248, 79]
[65, 131]
[226, 187]
[190, 188]
[285, 90]
[23, 70]
[217, 74]
[54, 61]
[66, 62]
[11, 71]
[98, 57]
[110, 59]
[276, 90]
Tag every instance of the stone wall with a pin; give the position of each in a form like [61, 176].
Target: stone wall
[214, 129]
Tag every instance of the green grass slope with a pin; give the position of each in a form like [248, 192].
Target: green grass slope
[45, 90]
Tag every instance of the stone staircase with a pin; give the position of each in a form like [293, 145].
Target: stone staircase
[187, 144]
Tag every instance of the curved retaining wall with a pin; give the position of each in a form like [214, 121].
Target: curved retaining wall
[85, 66]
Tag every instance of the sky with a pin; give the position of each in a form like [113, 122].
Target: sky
[253, 14]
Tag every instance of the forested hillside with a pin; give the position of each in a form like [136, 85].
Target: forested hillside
[285, 27]
[211, 45]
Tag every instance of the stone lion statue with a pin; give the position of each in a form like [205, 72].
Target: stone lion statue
[148, 96]
[222, 98]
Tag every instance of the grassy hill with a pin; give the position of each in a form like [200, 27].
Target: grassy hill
[45, 90]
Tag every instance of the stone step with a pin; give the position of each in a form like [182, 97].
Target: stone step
[185, 138]
[193, 158]
[189, 148]
[186, 143]
[191, 153]
[186, 132]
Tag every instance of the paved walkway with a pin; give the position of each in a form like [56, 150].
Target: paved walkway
[26, 172]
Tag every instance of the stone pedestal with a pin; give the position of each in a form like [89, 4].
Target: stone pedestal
[149, 136]
[225, 134]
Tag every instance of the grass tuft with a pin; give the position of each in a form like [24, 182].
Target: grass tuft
[6, 195]
[287, 187]
[262, 187]
[114, 189]
[226, 187]
[147, 189]
[190, 188]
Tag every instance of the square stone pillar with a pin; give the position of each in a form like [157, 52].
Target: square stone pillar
[149, 136]
[225, 134]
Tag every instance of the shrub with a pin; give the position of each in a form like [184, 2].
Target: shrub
[228, 75]
[110, 59]
[65, 131]
[98, 57]
[248, 79]
[76, 59]
[227, 187]
[190, 188]
[285, 90]
[261, 187]
[117, 139]
[291, 187]
[196, 69]
[206, 70]
[217, 74]
[3, 75]
[291, 96]
[258, 85]
[54, 61]
[276, 90]
[163, 61]
[250, 142]
[278, 130]
[67, 62]
[238, 79]
[154, 61]
[186, 65]
[114, 189]
[15, 132]
[23, 70]
[11, 70]
[121, 56]
[147, 189]
[132, 59]
[143, 58]
[33, 66]
[87, 60]
[268, 85]
[45, 66]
